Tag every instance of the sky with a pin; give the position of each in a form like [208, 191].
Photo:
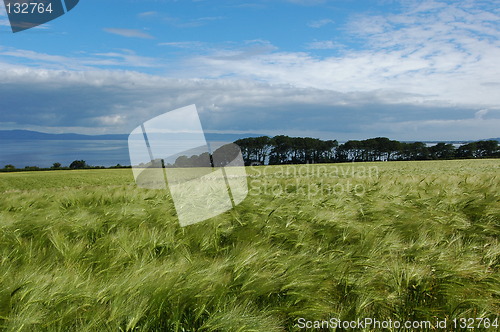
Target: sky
[333, 69]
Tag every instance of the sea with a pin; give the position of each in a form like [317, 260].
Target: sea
[44, 153]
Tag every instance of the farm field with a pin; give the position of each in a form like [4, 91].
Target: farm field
[403, 241]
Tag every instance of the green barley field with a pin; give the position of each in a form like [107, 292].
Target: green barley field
[402, 241]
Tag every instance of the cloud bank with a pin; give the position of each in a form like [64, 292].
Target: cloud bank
[429, 72]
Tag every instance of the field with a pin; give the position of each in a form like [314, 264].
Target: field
[406, 241]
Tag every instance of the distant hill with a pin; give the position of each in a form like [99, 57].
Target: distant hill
[35, 135]
[228, 137]
[18, 135]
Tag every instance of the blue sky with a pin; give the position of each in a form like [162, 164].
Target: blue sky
[345, 69]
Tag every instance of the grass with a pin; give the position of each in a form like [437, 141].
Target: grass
[89, 251]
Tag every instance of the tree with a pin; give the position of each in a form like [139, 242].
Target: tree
[480, 149]
[414, 151]
[182, 161]
[442, 151]
[467, 150]
[351, 151]
[487, 148]
[78, 164]
[56, 165]
[262, 146]
[225, 155]
[282, 150]
[328, 149]
[255, 148]
[9, 167]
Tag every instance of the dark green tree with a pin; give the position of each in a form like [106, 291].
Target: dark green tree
[225, 155]
[442, 151]
[78, 164]
[468, 150]
[255, 148]
[182, 161]
[486, 149]
[282, 150]
[414, 151]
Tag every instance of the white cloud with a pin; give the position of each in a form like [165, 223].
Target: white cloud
[179, 22]
[442, 52]
[102, 101]
[487, 114]
[130, 33]
[111, 120]
[323, 45]
[148, 14]
[307, 2]
[319, 23]
[126, 57]
[38, 58]
[121, 58]
[185, 44]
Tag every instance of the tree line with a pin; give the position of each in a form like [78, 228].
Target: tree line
[301, 150]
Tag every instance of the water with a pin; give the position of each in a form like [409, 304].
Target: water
[43, 153]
